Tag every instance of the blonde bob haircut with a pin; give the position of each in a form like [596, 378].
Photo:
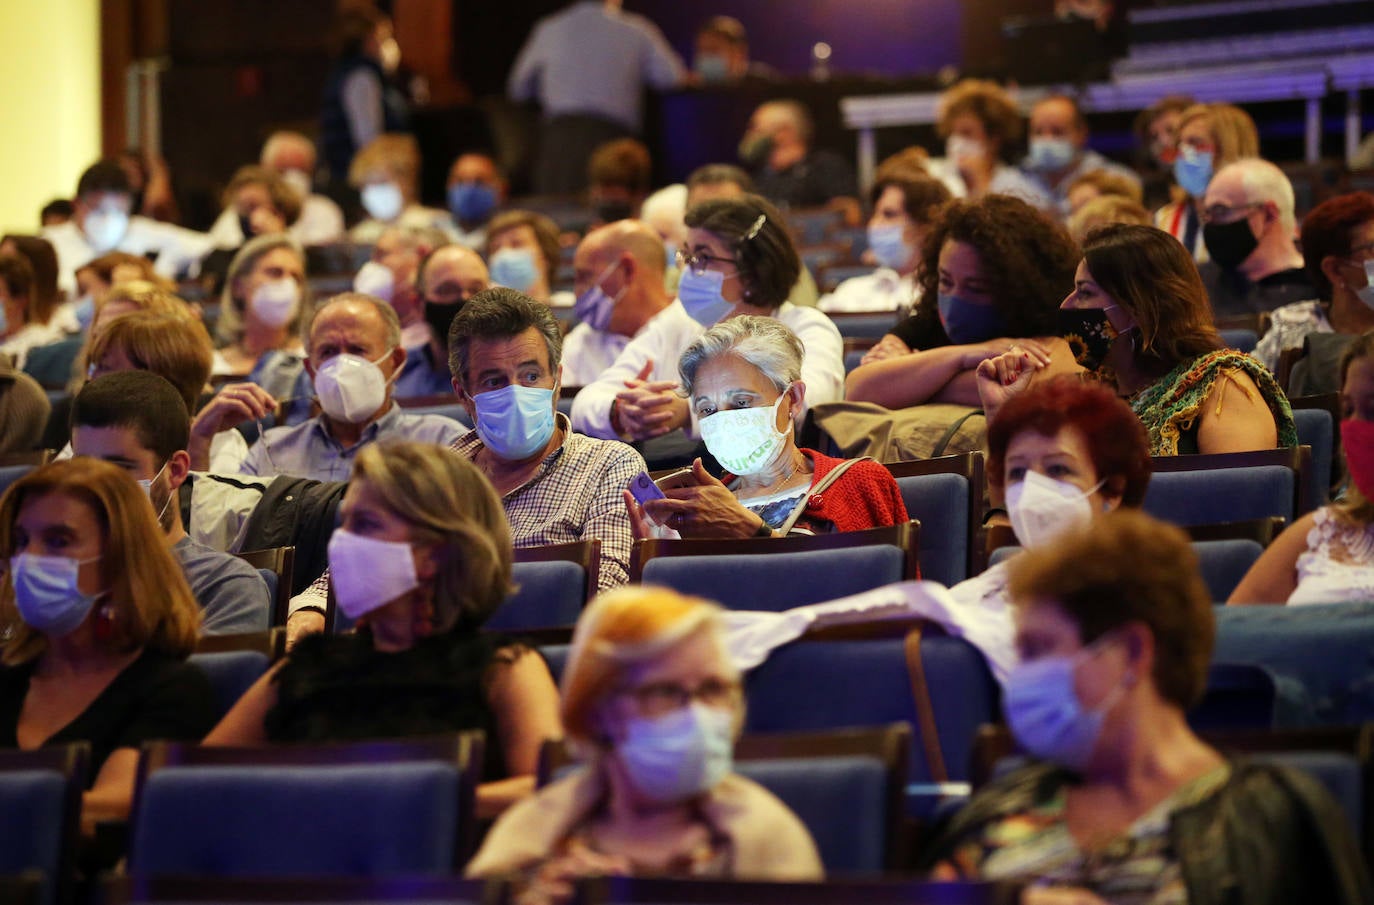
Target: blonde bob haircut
[153, 606]
[396, 155]
[1233, 131]
[447, 502]
[175, 347]
[233, 302]
[619, 630]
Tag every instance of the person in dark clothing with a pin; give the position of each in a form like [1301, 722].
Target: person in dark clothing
[786, 169]
[360, 102]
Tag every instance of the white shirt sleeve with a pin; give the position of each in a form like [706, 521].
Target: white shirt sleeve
[591, 410]
[823, 366]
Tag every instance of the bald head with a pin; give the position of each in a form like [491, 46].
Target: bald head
[628, 236]
[624, 259]
[452, 274]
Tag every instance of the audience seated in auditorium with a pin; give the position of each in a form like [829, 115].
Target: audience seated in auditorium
[1105, 210]
[23, 323]
[97, 622]
[1250, 231]
[981, 127]
[653, 704]
[1059, 153]
[1210, 136]
[991, 274]
[556, 486]
[138, 421]
[24, 409]
[265, 294]
[903, 210]
[619, 175]
[291, 157]
[1114, 629]
[353, 357]
[447, 278]
[1138, 307]
[390, 276]
[421, 559]
[1338, 250]
[386, 173]
[1156, 136]
[788, 170]
[360, 100]
[1327, 556]
[619, 281]
[742, 378]
[257, 202]
[45, 299]
[103, 221]
[721, 54]
[522, 253]
[739, 259]
[476, 191]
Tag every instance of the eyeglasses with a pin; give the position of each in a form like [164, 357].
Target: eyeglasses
[1225, 213]
[661, 698]
[700, 261]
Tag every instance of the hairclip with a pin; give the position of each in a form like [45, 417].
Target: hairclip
[758, 225]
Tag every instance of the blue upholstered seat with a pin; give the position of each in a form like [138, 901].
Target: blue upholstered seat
[940, 503]
[231, 673]
[548, 594]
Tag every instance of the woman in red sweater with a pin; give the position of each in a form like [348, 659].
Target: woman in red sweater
[743, 384]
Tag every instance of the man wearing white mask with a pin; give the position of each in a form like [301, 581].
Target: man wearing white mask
[102, 223]
[619, 282]
[1059, 152]
[556, 486]
[292, 156]
[448, 277]
[354, 357]
[390, 276]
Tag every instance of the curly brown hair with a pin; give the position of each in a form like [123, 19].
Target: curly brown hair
[1026, 258]
[993, 107]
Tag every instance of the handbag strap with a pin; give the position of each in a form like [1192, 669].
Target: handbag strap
[943, 443]
[925, 711]
[830, 478]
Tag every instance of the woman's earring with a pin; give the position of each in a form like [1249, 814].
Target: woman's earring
[104, 622]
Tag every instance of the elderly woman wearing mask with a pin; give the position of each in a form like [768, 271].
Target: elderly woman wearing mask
[652, 701]
[1114, 629]
[742, 379]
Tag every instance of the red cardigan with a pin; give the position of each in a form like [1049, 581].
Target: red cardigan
[865, 496]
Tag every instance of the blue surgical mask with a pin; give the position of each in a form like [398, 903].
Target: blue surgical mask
[515, 422]
[1045, 715]
[514, 268]
[471, 202]
[966, 323]
[713, 68]
[1049, 155]
[4, 321]
[1193, 170]
[594, 307]
[84, 309]
[680, 754]
[888, 243]
[46, 592]
[700, 295]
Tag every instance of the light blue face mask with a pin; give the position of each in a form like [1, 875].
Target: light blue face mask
[84, 309]
[713, 68]
[965, 322]
[514, 268]
[1049, 155]
[888, 243]
[1193, 170]
[515, 422]
[46, 592]
[680, 754]
[1045, 715]
[700, 295]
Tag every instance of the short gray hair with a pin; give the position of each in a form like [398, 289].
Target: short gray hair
[764, 342]
[390, 321]
[1263, 181]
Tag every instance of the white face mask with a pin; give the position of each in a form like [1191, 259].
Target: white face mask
[299, 181]
[148, 491]
[351, 388]
[376, 280]
[105, 229]
[276, 302]
[367, 573]
[959, 148]
[1042, 508]
[745, 441]
[680, 754]
[382, 200]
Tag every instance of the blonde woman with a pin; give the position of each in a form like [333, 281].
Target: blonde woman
[97, 620]
[652, 700]
[265, 294]
[386, 173]
[421, 559]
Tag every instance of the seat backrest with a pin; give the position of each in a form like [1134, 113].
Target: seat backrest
[864, 325]
[1238, 696]
[940, 503]
[40, 802]
[1225, 495]
[547, 594]
[1317, 429]
[1223, 563]
[11, 473]
[231, 673]
[869, 891]
[277, 565]
[51, 364]
[1239, 338]
[411, 890]
[351, 819]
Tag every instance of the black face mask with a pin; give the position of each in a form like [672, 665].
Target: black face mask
[246, 226]
[440, 318]
[1089, 333]
[1229, 243]
[611, 211]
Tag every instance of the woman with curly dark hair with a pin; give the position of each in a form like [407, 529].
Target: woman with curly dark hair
[992, 275]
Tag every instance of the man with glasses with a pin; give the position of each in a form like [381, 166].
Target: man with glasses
[1250, 230]
[446, 279]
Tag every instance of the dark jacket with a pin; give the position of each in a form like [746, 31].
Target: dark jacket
[1270, 836]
